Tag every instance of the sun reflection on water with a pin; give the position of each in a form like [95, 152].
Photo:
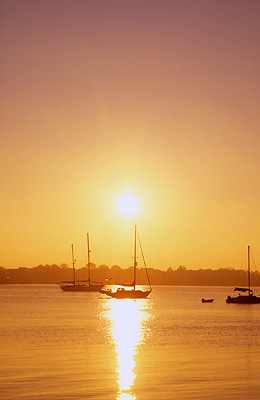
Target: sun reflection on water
[127, 317]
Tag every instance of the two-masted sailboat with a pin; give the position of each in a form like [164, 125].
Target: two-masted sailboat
[133, 293]
[248, 298]
[81, 286]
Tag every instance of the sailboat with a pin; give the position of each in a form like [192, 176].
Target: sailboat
[248, 298]
[81, 286]
[121, 292]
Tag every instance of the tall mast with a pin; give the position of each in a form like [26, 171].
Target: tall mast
[249, 269]
[73, 265]
[88, 259]
[135, 262]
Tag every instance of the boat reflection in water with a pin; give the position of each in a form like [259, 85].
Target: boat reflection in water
[128, 318]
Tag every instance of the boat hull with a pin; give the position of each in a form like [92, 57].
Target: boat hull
[81, 288]
[127, 294]
[251, 299]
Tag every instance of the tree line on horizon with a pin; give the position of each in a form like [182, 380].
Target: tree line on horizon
[51, 274]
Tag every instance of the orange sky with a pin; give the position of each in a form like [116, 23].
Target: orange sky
[159, 99]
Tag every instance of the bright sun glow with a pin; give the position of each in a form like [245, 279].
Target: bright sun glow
[127, 205]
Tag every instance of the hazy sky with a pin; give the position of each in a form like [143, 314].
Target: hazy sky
[155, 98]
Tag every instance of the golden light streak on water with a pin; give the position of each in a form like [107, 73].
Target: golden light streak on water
[127, 317]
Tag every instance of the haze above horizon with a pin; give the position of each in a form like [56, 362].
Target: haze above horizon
[147, 101]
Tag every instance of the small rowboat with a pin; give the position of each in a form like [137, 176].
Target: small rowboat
[207, 300]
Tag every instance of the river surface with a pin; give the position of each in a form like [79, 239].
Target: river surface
[58, 345]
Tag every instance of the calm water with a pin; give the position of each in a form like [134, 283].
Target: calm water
[58, 345]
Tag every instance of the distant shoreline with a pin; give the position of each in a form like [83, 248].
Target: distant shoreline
[53, 274]
[169, 285]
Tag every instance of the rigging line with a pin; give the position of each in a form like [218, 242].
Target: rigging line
[252, 258]
[144, 260]
[254, 271]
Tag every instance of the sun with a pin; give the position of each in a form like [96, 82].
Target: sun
[127, 205]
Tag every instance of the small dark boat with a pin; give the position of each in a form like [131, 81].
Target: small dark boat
[207, 300]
